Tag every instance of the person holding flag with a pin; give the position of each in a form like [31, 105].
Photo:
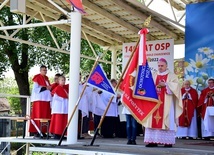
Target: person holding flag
[98, 107]
[109, 123]
[104, 95]
[153, 100]
[139, 93]
[131, 127]
[97, 78]
[83, 113]
[160, 126]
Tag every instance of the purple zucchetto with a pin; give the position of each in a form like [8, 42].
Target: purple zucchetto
[162, 60]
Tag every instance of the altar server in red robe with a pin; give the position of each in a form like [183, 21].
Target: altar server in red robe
[56, 81]
[188, 119]
[59, 109]
[41, 97]
[206, 100]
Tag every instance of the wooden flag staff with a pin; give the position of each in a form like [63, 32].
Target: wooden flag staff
[145, 24]
[78, 101]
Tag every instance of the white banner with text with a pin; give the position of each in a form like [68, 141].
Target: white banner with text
[155, 50]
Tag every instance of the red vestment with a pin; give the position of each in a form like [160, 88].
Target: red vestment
[205, 100]
[59, 119]
[41, 80]
[158, 115]
[41, 107]
[53, 86]
[189, 105]
[61, 91]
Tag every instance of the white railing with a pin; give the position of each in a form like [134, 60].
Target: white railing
[27, 108]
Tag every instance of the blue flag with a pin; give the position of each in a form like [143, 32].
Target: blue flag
[144, 85]
[99, 80]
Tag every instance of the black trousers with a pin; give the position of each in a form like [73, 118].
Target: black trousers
[85, 124]
[108, 127]
[96, 121]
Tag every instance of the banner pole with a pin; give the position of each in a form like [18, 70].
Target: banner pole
[77, 103]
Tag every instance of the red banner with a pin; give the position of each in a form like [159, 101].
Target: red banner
[77, 4]
[139, 108]
[143, 106]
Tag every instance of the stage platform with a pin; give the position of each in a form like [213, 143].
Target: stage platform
[31, 140]
[118, 146]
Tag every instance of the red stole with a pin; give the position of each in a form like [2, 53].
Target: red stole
[157, 116]
[53, 86]
[66, 86]
[61, 91]
[204, 95]
[41, 80]
[188, 107]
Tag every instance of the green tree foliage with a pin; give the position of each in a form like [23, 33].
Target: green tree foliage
[86, 64]
[14, 101]
[21, 57]
[9, 86]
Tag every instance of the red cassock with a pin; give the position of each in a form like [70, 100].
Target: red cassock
[53, 86]
[59, 117]
[205, 100]
[41, 105]
[189, 105]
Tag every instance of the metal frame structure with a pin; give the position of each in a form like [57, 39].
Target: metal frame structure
[27, 124]
[107, 23]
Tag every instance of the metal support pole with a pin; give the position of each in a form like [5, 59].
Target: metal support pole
[58, 7]
[182, 17]
[149, 3]
[5, 31]
[27, 148]
[3, 4]
[50, 48]
[74, 75]
[29, 19]
[27, 114]
[95, 54]
[114, 63]
[173, 12]
[24, 19]
[34, 25]
[51, 33]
